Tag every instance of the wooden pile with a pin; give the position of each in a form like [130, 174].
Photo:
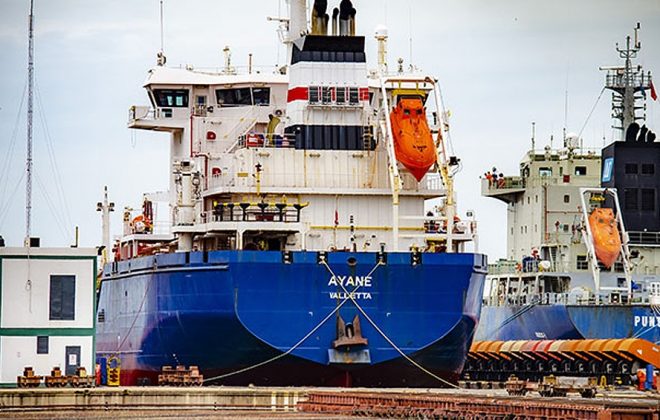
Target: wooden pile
[56, 379]
[81, 379]
[180, 376]
[29, 379]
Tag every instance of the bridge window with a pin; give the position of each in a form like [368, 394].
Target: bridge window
[261, 96]
[580, 170]
[175, 98]
[234, 97]
[545, 172]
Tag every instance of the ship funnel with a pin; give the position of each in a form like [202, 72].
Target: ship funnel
[351, 22]
[345, 12]
[335, 23]
[320, 17]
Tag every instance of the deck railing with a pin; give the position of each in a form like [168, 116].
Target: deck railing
[644, 238]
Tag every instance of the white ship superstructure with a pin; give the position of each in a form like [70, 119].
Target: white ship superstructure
[301, 158]
[548, 260]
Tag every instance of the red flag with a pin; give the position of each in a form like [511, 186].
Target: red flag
[654, 95]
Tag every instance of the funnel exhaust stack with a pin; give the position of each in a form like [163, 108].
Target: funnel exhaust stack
[346, 14]
[320, 17]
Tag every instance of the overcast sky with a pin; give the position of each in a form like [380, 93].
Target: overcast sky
[501, 64]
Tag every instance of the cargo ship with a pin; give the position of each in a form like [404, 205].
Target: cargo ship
[583, 245]
[302, 248]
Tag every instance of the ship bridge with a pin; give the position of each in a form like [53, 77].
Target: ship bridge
[508, 190]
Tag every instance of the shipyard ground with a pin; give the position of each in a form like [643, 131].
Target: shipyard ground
[316, 403]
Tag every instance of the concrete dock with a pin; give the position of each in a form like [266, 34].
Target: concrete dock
[314, 403]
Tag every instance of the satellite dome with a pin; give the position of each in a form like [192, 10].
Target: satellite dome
[381, 31]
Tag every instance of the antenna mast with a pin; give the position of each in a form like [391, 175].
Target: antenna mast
[161, 27]
[28, 166]
[626, 82]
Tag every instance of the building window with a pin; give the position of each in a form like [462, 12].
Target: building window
[565, 228]
[580, 170]
[567, 198]
[630, 198]
[582, 263]
[648, 169]
[62, 298]
[630, 168]
[175, 98]
[648, 199]
[42, 344]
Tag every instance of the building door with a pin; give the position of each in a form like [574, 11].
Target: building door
[72, 359]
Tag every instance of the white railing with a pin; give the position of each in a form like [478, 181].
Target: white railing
[243, 125]
[136, 113]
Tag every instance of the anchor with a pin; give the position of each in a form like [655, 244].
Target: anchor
[349, 334]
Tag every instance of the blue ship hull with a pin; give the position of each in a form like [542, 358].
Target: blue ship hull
[252, 317]
[563, 322]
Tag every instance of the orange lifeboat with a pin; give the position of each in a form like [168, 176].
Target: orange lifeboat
[413, 143]
[607, 241]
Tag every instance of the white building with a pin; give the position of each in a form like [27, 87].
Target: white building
[47, 307]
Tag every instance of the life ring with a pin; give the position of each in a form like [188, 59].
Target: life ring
[141, 224]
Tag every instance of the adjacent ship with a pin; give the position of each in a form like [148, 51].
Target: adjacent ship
[583, 248]
[302, 249]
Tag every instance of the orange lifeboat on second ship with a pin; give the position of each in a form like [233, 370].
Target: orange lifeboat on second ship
[413, 142]
[607, 241]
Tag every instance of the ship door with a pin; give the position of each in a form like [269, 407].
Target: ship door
[72, 362]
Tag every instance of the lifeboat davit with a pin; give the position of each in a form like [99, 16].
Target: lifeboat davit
[607, 241]
[413, 142]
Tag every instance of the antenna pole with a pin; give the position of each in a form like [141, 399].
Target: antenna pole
[28, 166]
[161, 27]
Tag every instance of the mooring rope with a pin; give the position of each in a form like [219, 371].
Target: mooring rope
[302, 340]
[408, 358]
